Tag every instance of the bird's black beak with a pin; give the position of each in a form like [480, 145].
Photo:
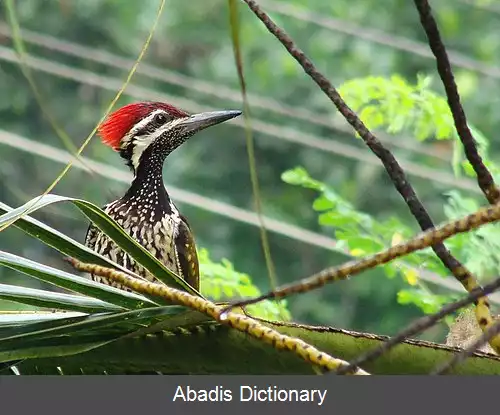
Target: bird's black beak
[198, 122]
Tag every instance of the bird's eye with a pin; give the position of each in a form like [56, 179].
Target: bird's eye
[160, 119]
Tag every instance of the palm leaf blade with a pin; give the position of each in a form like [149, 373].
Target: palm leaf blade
[119, 322]
[49, 299]
[12, 318]
[55, 239]
[107, 225]
[73, 282]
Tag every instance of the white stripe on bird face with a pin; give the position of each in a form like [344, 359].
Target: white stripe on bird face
[140, 145]
[139, 126]
[142, 142]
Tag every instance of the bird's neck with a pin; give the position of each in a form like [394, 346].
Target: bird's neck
[147, 189]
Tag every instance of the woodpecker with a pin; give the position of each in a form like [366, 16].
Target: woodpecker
[144, 134]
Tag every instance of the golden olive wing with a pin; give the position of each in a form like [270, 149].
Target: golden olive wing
[187, 256]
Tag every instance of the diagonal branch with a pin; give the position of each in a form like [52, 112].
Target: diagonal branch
[484, 177]
[237, 321]
[423, 323]
[483, 216]
[254, 177]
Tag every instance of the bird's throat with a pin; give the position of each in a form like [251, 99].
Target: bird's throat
[147, 188]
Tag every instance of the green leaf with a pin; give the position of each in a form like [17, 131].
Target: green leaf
[65, 336]
[114, 231]
[299, 176]
[365, 243]
[429, 303]
[49, 299]
[74, 335]
[222, 281]
[8, 319]
[322, 203]
[390, 270]
[120, 323]
[334, 218]
[15, 324]
[74, 283]
[396, 105]
[59, 241]
[56, 347]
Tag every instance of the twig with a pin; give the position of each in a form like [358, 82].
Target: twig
[252, 163]
[424, 323]
[484, 177]
[423, 240]
[487, 335]
[235, 320]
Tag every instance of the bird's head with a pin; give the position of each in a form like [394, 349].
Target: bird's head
[147, 132]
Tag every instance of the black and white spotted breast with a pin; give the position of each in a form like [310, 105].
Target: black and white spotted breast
[157, 233]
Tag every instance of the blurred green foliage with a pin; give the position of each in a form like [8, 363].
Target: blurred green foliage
[221, 282]
[399, 107]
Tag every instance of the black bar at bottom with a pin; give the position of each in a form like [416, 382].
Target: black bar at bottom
[124, 395]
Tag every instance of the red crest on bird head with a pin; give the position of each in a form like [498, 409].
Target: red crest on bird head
[120, 122]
